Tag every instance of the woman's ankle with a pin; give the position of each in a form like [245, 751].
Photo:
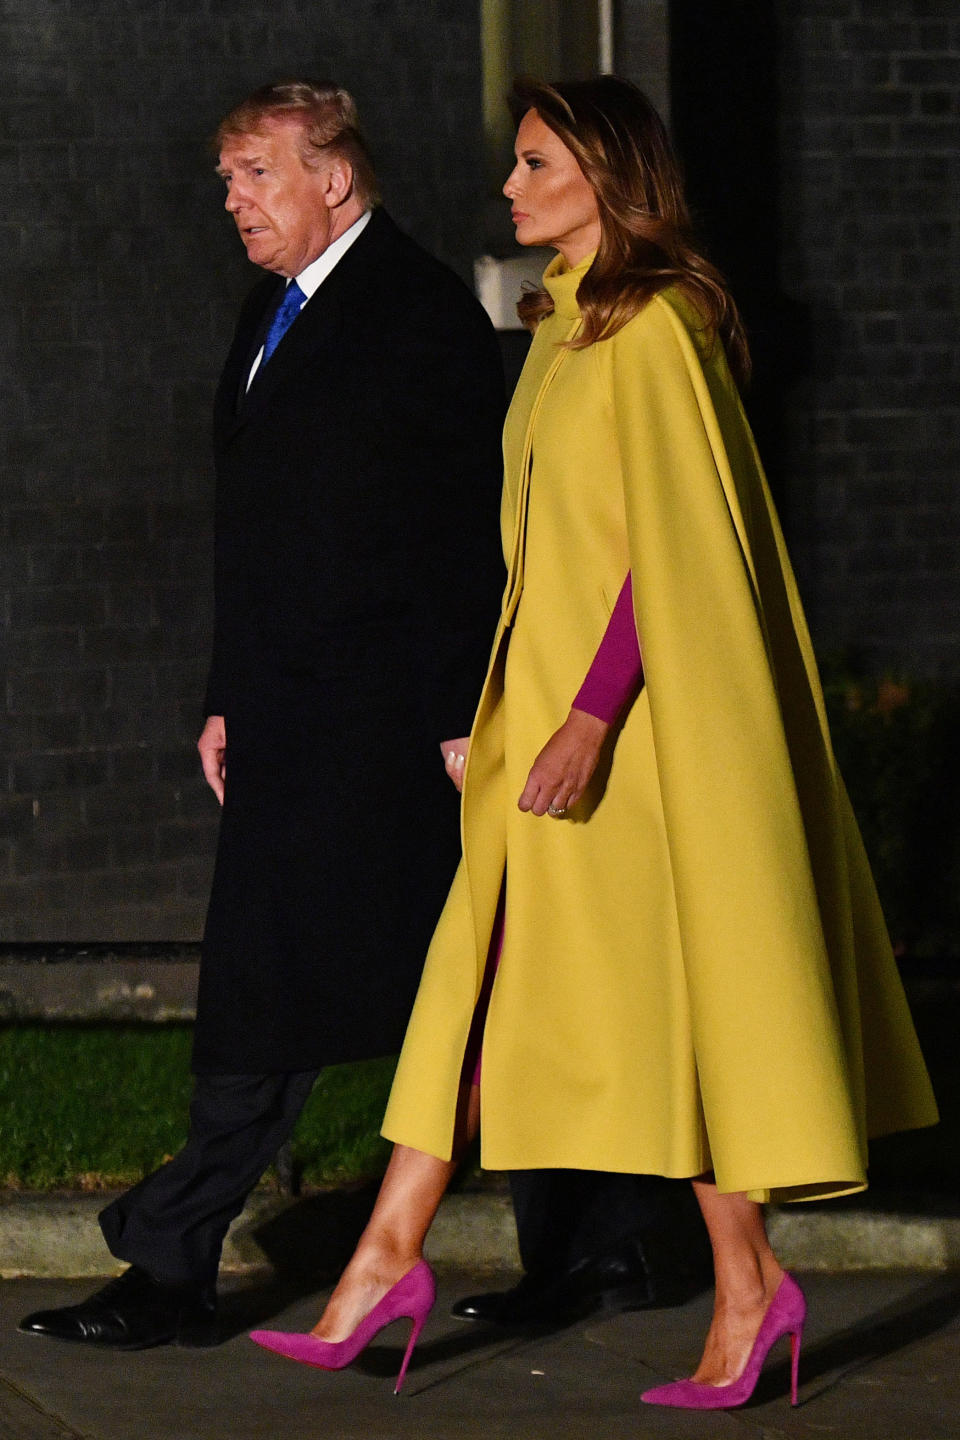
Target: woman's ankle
[749, 1286]
[386, 1253]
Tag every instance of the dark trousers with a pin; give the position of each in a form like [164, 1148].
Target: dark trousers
[566, 1216]
[173, 1223]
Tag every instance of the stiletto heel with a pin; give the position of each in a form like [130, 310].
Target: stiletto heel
[415, 1329]
[410, 1299]
[796, 1340]
[785, 1315]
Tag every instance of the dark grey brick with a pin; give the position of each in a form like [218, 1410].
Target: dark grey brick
[64, 604]
[124, 643]
[29, 734]
[28, 903]
[931, 135]
[31, 523]
[880, 101]
[930, 70]
[936, 35]
[134, 765]
[16, 815]
[126, 725]
[51, 854]
[938, 102]
[45, 648]
[129, 606]
[42, 691]
[136, 885]
[190, 840]
[134, 804]
[884, 35]
[113, 561]
[134, 845]
[181, 764]
[194, 877]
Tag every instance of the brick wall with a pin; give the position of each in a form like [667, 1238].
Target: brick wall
[122, 278]
[870, 200]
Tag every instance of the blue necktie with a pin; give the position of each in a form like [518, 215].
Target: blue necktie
[287, 312]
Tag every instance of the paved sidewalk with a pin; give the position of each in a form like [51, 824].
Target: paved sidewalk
[881, 1361]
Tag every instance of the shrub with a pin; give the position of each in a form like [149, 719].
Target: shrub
[896, 744]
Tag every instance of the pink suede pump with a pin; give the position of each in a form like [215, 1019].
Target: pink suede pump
[411, 1298]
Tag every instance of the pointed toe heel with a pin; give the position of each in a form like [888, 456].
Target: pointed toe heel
[411, 1299]
[786, 1315]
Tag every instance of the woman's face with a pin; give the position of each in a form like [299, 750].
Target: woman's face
[552, 202]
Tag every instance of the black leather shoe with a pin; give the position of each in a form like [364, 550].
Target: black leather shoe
[133, 1312]
[619, 1281]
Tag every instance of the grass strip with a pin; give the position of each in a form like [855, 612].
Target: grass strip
[98, 1107]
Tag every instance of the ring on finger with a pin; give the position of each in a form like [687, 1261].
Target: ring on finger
[556, 811]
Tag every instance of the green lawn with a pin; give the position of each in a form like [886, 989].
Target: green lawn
[88, 1107]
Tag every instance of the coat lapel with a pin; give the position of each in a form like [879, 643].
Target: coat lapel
[313, 332]
[254, 318]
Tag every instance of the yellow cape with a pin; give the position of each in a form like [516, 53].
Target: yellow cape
[695, 972]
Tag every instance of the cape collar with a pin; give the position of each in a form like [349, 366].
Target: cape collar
[562, 284]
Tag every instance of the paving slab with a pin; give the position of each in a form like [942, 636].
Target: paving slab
[880, 1362]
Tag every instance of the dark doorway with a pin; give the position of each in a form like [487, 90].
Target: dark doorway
[725, 119]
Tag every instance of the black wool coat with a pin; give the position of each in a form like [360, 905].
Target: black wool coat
[358, 577]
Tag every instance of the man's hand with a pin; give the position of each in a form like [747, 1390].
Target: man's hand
[563, 769]
[213, 751]
[454, 754]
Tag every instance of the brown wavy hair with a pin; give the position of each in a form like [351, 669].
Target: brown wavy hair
[327, 116]
[646, 240]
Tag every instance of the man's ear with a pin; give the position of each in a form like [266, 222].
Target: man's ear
[339, 186]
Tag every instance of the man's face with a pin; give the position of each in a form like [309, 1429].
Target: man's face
[282, 210]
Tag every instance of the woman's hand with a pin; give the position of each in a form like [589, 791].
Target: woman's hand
[454, 754]
[563, 769]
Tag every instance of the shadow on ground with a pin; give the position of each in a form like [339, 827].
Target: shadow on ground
[926, 1312]
[307, 1244]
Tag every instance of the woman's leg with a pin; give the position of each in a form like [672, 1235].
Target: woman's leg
[412, 1188]
[392, 1243]
[747, 1274]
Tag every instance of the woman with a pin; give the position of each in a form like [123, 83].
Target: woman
[695, 978]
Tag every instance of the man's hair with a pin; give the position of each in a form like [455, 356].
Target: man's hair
[327, 117]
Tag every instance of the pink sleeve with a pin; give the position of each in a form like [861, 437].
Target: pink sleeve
[617, 668]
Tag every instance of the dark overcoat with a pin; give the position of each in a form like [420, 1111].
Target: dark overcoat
[358, 576]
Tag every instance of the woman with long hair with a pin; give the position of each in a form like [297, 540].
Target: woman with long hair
[664, 927]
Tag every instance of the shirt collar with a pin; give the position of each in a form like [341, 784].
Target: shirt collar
[317, 271]
[310, 279]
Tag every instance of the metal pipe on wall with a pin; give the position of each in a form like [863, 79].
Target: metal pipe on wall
[605, 36]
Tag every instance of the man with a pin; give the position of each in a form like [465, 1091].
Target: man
[357, 439]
